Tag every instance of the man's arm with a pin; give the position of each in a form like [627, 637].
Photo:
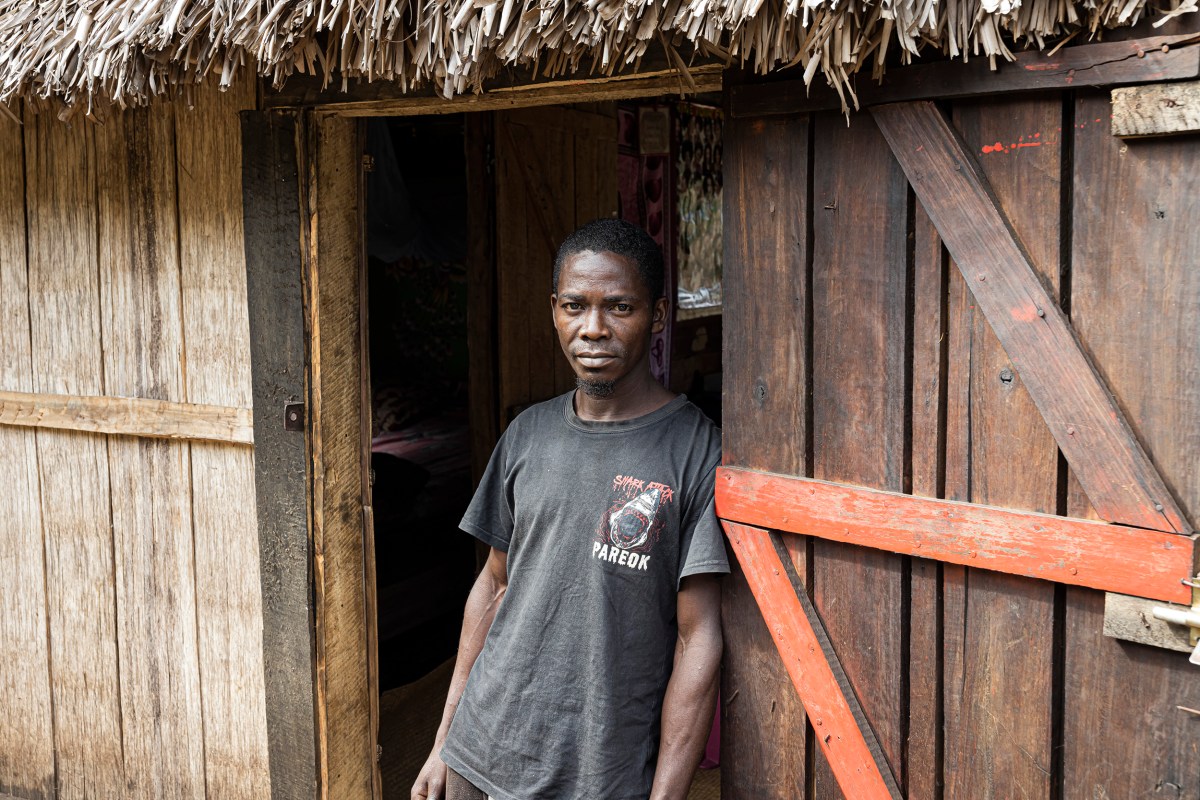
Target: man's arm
[480, 610]
[692, 690]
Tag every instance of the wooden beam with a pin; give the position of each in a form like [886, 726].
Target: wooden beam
[838, 733]
[1075, 551]
[127, 416]
[387, 99]
[1156, 110]
[1102, 64]
[1081, 413]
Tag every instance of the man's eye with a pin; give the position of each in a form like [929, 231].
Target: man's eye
[572, 306]
[624, 308]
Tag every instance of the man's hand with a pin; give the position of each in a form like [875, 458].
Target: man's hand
[431, 782]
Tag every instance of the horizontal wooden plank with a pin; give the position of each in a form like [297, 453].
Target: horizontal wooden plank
[1083, 416]
[829, 712]
[1132, 619]
[127, 416]
[1159, 109]
[387, 99]
[1115, 558]
[1102, 64]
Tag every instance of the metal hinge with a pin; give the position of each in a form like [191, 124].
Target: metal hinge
[1186, 616]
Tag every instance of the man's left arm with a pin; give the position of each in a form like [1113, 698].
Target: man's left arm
[692, 689]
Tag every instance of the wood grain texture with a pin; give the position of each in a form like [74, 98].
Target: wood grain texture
[64, 302]
[27, 725]
[1135, 300]
[764, 734]
[127, 416]
[837, 731]
[556, 169]
[278, 342]
[216, 354]
[998, 734]
[1132, 619]
[1085, 421]
[925, 742]
[859, 405]
[384, 99]
[338, 498]
[1076, 551]
[484, 422]
[1092, 64]
[161, 718]
[1156, 110]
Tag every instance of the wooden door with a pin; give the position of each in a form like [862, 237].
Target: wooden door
[556, 169]
[914, 305]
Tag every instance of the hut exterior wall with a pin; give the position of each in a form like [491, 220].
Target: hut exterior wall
[131, 660]
[855, 352]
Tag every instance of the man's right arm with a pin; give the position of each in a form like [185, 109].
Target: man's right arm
[480, 610]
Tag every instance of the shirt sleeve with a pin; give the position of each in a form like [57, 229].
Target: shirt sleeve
[703, 543]
[489, 517]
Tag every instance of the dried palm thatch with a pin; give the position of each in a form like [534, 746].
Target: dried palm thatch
[82, 52]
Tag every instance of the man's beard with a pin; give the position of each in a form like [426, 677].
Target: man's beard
[598, 389]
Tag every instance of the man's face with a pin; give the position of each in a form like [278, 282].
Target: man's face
[604, 318]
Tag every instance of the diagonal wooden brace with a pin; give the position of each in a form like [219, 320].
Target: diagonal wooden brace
[1078, 408]
[841, 728]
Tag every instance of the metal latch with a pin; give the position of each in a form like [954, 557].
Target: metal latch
[1186, 616]
[293, 417]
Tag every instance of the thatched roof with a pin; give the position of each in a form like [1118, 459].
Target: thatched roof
[125, 51]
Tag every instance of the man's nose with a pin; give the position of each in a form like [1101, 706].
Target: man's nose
[594, 326]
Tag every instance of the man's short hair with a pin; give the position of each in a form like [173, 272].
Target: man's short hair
[623, 238]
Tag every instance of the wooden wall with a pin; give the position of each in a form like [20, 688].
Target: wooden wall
[131, 660]
[855, 353]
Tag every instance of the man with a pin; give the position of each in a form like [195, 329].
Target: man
[587, 666]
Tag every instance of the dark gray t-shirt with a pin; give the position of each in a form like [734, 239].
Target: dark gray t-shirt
[600, 520]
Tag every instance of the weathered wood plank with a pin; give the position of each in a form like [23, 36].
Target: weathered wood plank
[837, 731]
[483, 380]
[278, 342]
[1135, 301]
[217, 360]
[388, 99]
[929, 355]
[1061, 549]
[1099, 64]
[1156, 110]
[998, 734]
[64, 302]
[1132, 619]
[764, 731]
[1083, 417]
[127, 416]
[161, 718]
[860, 286]
[338, 456]
[26, 726]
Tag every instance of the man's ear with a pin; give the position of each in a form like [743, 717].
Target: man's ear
[553, 308]
[662, 307]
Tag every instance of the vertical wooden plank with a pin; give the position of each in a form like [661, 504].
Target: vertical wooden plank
[549, 160]
[338, 461]
[1135, 302]
[483, 391]
[515, 312]
[161, 719]
[26, 726]
[999, 721]
[278, 344]
[64, 304]
[764, 732]
[860, 286]
[924, 744]
[216, 351]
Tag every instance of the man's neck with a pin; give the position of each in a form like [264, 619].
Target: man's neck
[631, 398]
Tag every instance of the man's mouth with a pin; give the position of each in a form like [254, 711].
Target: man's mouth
[594, 359]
